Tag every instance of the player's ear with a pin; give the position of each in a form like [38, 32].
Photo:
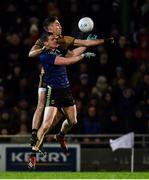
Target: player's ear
[46, 43]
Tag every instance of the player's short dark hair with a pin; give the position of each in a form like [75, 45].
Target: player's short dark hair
[49, 21]
[45, 36]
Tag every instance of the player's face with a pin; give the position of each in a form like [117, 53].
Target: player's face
[56, 28]
[52, 42]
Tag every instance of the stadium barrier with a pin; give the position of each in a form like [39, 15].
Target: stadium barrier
[88, 153]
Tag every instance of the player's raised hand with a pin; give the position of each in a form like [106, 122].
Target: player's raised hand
[91, 37]
[109, 40]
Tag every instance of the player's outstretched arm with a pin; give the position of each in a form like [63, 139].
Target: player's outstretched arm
[76, 52]
[96, 42]
[64, 61]
[87, 43]
[71, 60]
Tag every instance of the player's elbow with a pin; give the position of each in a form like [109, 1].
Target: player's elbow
[30, 54]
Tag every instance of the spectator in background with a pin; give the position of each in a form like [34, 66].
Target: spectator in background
[33, 29]
[139, 74]
[100, 87]
[118, 86]
[84, 87]
[114, 125]
[52, 9]
[104, 66]
[80, 68]
[142, 89]
[4, 131]
[3, 94]
[107, 101]
[140, 123]
[145, 7]
[145, 12]
[146, 108]
[5, 120]
[91, 122]
[17, 37]
[119, 73]
[125, 106]
[23, 130]
[141, 52]
[129, 64]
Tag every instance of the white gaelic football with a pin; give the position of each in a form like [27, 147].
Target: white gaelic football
[86, 24]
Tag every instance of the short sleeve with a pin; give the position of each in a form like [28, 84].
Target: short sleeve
[39, 43]
[66, 41]
[69, 40]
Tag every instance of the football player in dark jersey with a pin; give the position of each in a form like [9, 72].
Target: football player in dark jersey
[54, 62]
[66, 42]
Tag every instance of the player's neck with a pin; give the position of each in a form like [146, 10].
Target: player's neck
[57, 36]
[53, 49]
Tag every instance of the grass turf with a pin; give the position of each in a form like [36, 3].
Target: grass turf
[74, 175]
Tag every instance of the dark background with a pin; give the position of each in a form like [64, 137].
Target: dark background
[111, 90]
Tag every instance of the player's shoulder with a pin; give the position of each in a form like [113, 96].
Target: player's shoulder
[66, 41]
[39, 43]
[66, 37]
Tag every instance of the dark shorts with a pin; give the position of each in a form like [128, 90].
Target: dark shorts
[59, 97]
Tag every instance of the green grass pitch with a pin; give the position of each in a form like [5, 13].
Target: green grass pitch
[74, 175]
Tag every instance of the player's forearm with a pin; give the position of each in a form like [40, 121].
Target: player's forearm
[67, 61]
[95, 42]
[78, 51]
[88, 43]
[34, 53]
[75, 59]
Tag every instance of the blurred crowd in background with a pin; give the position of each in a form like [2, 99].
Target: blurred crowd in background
[111, 90]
